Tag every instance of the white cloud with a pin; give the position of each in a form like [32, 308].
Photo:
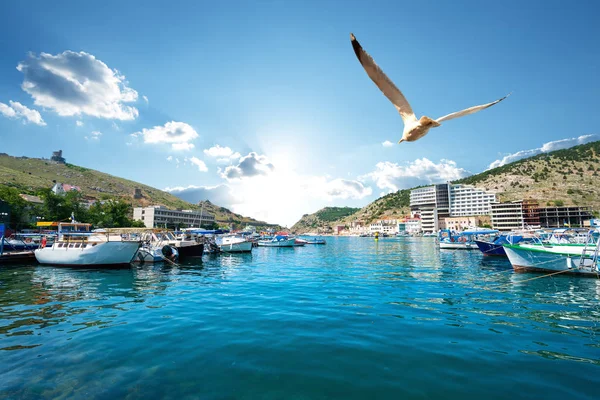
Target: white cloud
[182, 146]
[546, 147]
[248, 166]
[393, 177]
[178, 134]
[223, 154]
[94, 136]
[128, 144]
[387, 143]
[145, 99]
[281, 196]
[170, 158]
[347, 189]
[76, 83]
[18, 110]
[79, 123]
[199, 163]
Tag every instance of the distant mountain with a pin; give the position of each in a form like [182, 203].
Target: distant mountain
[561, 177]
[29, 175]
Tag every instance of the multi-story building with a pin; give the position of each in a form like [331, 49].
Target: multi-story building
[389, 226]
[462, 223]
[467, 200]
[433, 204]
[358, 227]
[508, 216]
[413, 225]
[531, 213]
[160, 216]
[556, 217]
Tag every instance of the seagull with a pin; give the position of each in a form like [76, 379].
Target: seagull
[414, 128]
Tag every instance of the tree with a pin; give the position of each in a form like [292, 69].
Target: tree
[18, 206]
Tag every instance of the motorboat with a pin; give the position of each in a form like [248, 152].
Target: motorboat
[233, 244]
[314, 240]
[278, 241]
[465, 240]
[153, 253]
[570, 258]
[78, 246]
[188, 244]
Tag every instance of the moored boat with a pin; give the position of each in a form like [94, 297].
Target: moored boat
[234, 244]
[77, 246]
[554, 258]
[278, 241]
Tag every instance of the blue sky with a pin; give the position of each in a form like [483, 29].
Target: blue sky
[277, 83]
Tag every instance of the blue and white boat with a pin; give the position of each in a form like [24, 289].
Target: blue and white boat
[278, 241]
[494, 247]
[465, 240]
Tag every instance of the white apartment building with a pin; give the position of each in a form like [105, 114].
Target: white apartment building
[389, 226]
[358, 228]
[160, 217]
[413, 225]
[423, 196]
[508, 216]
[467, 200]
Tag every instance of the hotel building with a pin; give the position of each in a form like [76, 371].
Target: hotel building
[160, 217]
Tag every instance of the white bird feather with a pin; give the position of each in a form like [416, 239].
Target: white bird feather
[414, 128]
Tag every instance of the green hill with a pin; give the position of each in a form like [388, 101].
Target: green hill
[562, 177]
[29, 175]
[322, 218]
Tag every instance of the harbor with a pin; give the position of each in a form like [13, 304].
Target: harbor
[350, 319]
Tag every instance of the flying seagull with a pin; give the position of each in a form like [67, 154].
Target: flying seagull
[414, 128]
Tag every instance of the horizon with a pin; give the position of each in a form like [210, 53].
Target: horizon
[264, 108]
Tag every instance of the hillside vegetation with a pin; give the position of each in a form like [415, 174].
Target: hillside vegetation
[563, 177]
[30, 175]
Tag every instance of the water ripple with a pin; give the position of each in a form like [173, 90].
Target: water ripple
[356, 318]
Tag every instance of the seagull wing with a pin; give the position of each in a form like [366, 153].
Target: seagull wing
[383, 82]
[470, 110]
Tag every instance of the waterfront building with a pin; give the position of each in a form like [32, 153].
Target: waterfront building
[508, 216]
[358, 227]
[467, 200]
[413, 225]
[558, 217]
[432, 202]
[386, 225]
[337, 229]
[463, 223]
[160, 216]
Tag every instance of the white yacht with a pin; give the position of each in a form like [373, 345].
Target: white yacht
[77, 246]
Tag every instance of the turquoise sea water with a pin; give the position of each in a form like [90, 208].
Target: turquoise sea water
[354, 319]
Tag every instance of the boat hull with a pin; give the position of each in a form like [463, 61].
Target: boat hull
[490, 249]
[277, 243]
[525, 259]
[458, 246]
[192, 251]
[102, 254]
[241, 247]
[17, 257]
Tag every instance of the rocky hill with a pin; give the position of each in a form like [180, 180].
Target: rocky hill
[562, 177]
[29, 175]
[322, 218]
